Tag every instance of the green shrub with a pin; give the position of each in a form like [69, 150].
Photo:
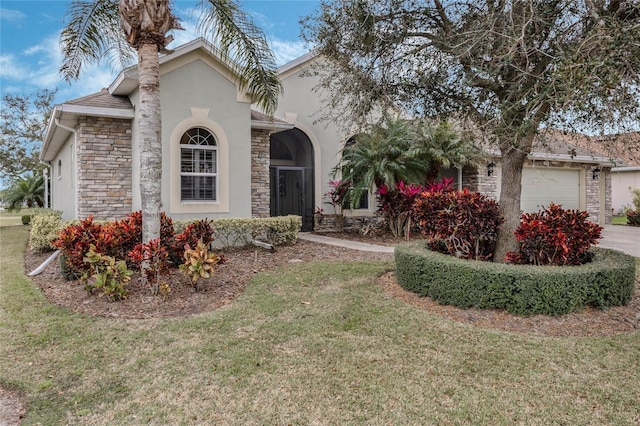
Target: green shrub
[45, 226]
[26, 219]
[241, 232]
[520, 289]
[108, 276]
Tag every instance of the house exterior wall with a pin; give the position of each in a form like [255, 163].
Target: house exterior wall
[595, 194]
[104, 180]
[63, 173]
[621, 181]
[195, 94]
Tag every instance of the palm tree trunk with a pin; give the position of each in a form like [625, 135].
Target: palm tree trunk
[149, 124]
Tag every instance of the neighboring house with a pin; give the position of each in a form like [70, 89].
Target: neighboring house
[626, 174]
[221, 158]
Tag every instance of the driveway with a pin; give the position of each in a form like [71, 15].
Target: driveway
[623, 238]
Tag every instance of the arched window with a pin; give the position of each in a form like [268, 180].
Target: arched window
[198, 166]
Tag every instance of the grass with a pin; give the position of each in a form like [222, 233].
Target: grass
[12, 218]
[304, 344]
[619, 220]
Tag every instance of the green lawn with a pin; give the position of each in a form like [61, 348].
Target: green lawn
[305, 344]
[619, 220]
[12, 218]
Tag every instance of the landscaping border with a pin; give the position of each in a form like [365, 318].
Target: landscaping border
[608, 280]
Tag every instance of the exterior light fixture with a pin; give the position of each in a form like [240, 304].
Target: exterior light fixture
[596, 173]
[491, 168]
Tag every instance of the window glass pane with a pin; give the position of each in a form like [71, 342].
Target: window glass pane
[198, 188]
[198, 165]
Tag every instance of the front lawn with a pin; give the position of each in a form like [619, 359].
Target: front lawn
[304, 344]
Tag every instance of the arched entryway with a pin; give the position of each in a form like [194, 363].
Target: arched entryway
[291, 175]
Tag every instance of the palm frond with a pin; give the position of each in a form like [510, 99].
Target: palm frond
[91, 34]
[239, 40]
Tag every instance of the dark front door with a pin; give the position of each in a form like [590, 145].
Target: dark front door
[291, 193]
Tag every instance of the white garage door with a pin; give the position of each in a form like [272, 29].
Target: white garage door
[542, 185]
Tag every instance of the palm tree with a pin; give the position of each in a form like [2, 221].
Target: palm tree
[116, 28]
[28, 189]
[400, 150]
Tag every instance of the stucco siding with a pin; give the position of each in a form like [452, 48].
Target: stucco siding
[197, 95]
[63, 174]
[303, 107]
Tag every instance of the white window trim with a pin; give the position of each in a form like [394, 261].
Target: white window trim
[221, 205]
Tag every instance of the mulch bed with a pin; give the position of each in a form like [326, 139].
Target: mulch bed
[231, 278]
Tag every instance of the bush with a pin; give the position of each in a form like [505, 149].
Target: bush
[396, 205]
[44, 230]
[118, 239]
[633, 218]
[520, 289]
[241, 232]
[75, 242]
[554, 236]
[154, 256]
[108, 276]
[198, 231]
[26, 219]
[459, 223]
[199, 263]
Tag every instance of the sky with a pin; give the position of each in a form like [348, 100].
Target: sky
[30, 30]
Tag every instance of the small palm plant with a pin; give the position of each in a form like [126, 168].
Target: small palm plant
[199, 263]
[26, 190]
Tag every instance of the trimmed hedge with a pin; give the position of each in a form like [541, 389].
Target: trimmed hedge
[520, 289]
[241, 232]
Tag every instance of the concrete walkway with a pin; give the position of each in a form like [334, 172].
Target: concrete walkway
[355, 245]
[618, 237]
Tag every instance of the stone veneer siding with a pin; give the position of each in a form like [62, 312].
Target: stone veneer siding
[260, 161]
[104, 167]
[477, 180]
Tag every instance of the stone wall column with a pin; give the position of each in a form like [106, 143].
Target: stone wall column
[104, 169]
[260, 161]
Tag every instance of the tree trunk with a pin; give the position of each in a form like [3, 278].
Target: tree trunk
[510, 194]
[150, 140]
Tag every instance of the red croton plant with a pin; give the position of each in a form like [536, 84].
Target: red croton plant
[554, 236]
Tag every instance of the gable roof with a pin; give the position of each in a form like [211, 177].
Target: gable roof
[128, 79]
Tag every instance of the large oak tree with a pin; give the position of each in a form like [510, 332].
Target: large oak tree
[505, 68]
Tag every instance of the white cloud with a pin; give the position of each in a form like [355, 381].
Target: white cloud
[34, 49]
[38, 66]
[286, 51]
[9, 68]
[12, 15]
